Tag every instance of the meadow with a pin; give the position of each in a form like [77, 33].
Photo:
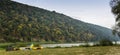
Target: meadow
[100, 50]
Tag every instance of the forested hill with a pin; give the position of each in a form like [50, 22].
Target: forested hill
[21, 22]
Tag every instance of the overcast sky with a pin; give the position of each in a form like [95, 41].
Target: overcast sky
[91, 11]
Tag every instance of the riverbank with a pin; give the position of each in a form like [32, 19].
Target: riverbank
[54, 45]
[101, 50]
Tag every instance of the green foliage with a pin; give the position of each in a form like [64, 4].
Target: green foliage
[105, 42]
[57, 47]
[20, 22]
[115, 5]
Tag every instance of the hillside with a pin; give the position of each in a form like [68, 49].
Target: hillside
[21, 22]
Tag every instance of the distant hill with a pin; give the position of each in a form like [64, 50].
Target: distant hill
[21, 22]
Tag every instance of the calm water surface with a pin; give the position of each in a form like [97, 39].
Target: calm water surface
[71, 44]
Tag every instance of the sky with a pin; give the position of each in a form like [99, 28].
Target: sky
[91, 11]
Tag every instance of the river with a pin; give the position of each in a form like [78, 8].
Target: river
[71, 44]
[66, 44]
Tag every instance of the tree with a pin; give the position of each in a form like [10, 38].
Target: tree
[115, 5]
[105, 42]
[88, 36]
[4, 0]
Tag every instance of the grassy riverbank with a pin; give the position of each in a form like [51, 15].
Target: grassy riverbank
[101, 50]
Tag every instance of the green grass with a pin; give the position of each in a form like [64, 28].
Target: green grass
[106, 50]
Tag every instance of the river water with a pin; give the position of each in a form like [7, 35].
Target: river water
[70, 44]
[66, 44]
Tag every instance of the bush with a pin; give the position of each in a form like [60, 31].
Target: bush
[105, 42]
[58, 47]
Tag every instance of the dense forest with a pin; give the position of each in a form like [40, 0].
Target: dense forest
[21, 22]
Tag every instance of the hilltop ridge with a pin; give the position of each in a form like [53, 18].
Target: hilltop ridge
[21, 22]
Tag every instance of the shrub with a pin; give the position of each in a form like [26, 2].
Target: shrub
[57, 47]
[105, 42]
